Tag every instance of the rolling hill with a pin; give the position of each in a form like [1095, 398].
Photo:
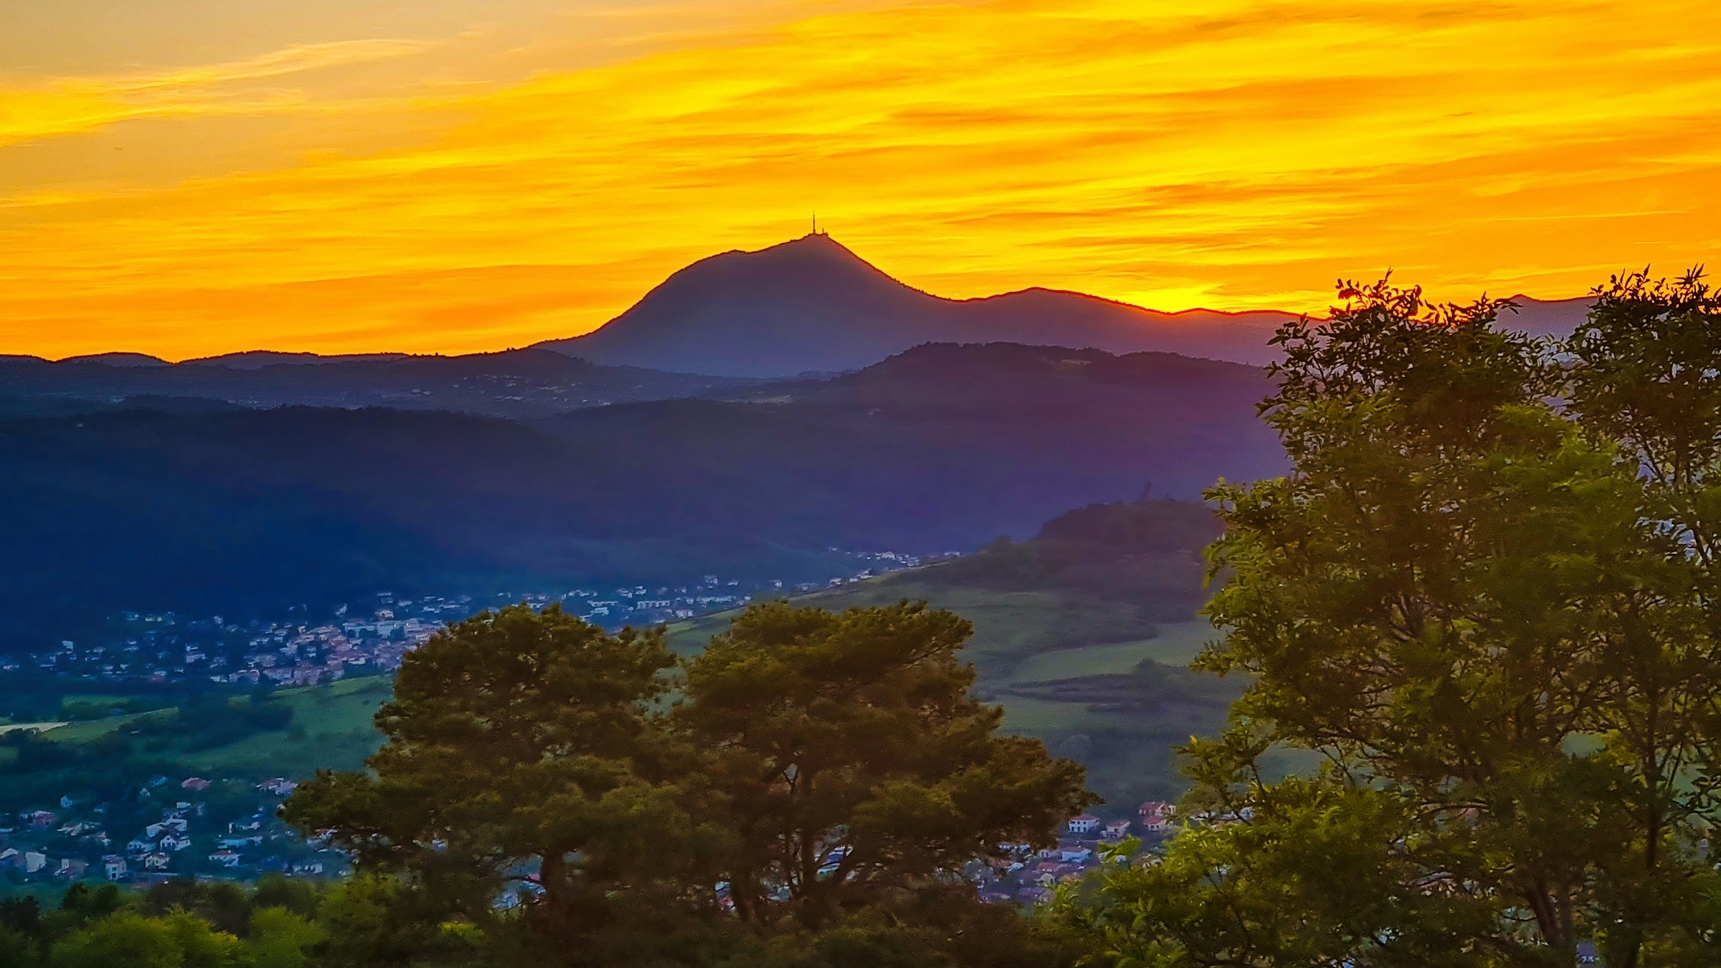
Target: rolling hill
[1082, 633]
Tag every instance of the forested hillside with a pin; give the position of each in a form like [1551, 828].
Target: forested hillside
[941, 449]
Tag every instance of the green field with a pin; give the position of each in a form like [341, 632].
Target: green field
[331, 727]
[1087, 660]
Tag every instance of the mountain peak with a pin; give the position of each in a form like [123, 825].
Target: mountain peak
[813, 249]
[812, 304]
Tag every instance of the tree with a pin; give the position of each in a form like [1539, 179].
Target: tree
[176, 941]
[281, 939]
[1465, 600]
[1644, 371]
[853, 760]
[833, 762]
[521, 754]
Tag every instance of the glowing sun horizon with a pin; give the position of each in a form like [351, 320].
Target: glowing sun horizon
[193, 177]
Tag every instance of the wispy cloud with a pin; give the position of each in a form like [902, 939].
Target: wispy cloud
[33, 109]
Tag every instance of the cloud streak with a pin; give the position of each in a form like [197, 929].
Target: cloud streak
[61, 107]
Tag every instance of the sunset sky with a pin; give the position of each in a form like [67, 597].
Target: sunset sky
[190, 177]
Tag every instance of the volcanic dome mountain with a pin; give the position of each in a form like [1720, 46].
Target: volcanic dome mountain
[812, 305]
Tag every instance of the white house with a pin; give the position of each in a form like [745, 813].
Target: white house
[1084, 824]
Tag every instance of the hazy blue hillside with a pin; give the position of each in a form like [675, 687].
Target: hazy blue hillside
[516, 383]
[940, 449]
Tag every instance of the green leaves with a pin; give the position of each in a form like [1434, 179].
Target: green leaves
[852, 761]
[1496, 632]
[818, 765]
[519, 743]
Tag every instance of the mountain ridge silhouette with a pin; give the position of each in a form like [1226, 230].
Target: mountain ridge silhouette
[813, 305]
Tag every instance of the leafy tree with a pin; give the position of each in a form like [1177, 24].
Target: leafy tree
[1470, 605]
[224, 904]
[82, 903]
[177, 941]
[25, 932]
[1644, 371]
[278, 938]
[295, 896]
[853, 760]
[937, 929]
[379, 921]
[521, 754]
[18, 949]
[835, 762]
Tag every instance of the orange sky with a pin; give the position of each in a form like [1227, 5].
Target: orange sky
[189, 177]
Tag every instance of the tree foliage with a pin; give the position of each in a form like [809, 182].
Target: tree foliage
[177, 924]
[553, 793]
[523, 755]
[851, 758]
[1484, 597]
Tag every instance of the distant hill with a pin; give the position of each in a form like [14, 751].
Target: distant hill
[941, 448]
[514, 383]
[116, 359]
[1546, 317]
[257, 359]
[813, 305]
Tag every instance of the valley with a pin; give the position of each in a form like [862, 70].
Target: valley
[199, 550]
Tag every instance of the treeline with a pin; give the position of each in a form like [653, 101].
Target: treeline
[185, 924]
[374, 921]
